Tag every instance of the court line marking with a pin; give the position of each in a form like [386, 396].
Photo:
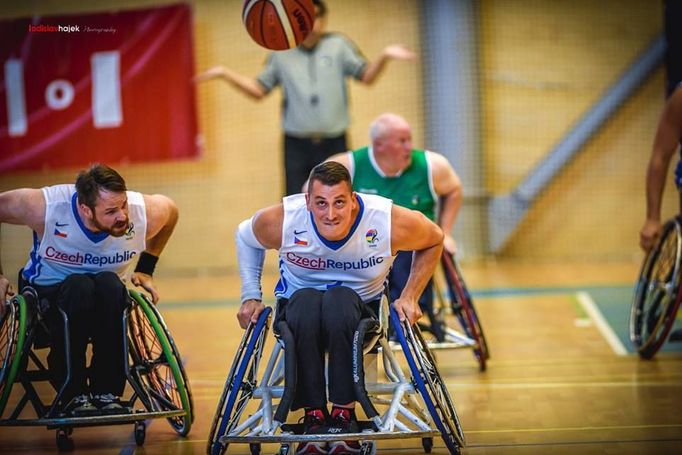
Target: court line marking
[604, 328]
[603, 428]
[672, 382]
[596, 442]
[501, 292]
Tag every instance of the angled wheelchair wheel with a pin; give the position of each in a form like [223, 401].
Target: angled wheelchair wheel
[657, 293]
[161, 369]
[12, 337]
[240, 383]
[464, 310]
[429, 383]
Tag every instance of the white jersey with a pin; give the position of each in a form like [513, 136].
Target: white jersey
[361, 261]
[68, 247]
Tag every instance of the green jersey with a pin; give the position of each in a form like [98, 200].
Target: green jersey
[412, 188]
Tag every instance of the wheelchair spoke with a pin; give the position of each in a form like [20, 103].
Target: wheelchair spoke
[159, 367]
[12, 332]
[656, 299]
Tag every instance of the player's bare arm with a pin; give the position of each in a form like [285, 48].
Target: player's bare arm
[162, 216]
[25, 206]
[666, 141]
[447, 185]
[412, 231]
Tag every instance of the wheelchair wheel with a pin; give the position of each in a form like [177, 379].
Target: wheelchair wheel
[163, 374]
[12, 336]
[240, 383]
[64, 441]
[428, 382]
[435, 330]
[463, 308]
[657, 294]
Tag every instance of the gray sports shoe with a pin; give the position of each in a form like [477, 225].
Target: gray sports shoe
[81, 405]
[107, 402]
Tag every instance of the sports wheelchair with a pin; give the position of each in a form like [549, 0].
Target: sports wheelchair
[657, 293]
[152, 363]
[451, 297]
[253, 409]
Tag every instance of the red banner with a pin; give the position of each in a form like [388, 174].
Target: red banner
[110, 88]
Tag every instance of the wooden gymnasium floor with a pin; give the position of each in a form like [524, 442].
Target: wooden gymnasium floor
[553, 384]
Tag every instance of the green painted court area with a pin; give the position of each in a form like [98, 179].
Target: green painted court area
[610, 309]
[614, 303]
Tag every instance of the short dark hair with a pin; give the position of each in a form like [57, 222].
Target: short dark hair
[98, 177]
[329, 173]
[321, 8]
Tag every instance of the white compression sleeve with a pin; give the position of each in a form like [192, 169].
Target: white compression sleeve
[250, 257]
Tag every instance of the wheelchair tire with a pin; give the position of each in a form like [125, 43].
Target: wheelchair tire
[165, 377]
[657, 293]
[429, 384]
[464, 310]
[12, 338]
[64, 441]
[427, 444]
[238, 389]
[140, 433]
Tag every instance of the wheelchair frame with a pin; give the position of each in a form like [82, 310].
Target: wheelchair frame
[658, 292]
[404, 415]
[152, 362]
[455, 300]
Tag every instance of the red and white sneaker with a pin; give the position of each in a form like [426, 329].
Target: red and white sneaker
[312, 448]
[344, 419]
[344, 447]
[313, 423]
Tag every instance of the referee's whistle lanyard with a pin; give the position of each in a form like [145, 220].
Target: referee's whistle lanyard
[312, 73]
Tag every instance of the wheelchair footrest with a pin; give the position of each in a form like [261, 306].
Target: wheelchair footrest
[298, 428]
[103, 412]
[282, 438]
[91, 421]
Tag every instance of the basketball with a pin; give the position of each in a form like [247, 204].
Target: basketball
[278, 24]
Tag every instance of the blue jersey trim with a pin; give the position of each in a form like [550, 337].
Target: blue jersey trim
[33, 270]
[336, 244]
[95, 237]
[281, 286]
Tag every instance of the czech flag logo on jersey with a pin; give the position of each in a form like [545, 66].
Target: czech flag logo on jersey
[372, 237]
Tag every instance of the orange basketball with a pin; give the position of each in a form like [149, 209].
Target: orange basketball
[278, 24]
